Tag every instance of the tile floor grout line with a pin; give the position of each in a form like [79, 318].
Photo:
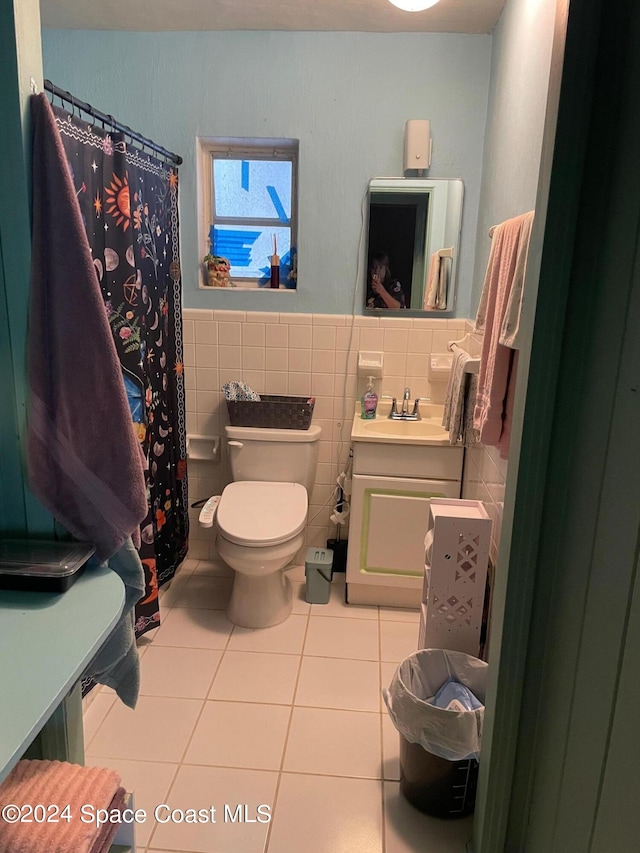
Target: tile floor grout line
[383, 823]
[171, 784]
[190, 738]
[267, 840]
[204, 703]
[257, 702]
[84, 713]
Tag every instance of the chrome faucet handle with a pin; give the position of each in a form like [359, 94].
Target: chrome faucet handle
[394, 407]
[416, 409]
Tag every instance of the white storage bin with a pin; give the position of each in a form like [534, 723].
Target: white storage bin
[457, 540]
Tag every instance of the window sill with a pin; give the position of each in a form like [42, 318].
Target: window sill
[255, 289]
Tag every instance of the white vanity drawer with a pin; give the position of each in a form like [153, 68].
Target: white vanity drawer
[404, 460]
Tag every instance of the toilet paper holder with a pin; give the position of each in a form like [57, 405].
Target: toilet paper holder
[204, 448]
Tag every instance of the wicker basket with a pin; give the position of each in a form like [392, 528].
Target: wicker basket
[272, 410]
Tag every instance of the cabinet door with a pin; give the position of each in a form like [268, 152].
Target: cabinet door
[389, 518]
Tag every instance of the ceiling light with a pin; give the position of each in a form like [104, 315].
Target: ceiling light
[414, 5]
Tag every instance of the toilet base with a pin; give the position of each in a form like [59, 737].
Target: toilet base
[260, 601]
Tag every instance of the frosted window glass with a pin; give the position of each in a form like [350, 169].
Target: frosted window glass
[253, 189]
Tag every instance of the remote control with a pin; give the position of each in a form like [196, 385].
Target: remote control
[208, 511]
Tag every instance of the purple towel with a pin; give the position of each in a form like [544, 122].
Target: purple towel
[85, 463]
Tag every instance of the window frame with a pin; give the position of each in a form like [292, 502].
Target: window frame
[243, 148]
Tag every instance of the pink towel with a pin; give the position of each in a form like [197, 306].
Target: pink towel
[102, 844]
[85, 463]
[496, 380]
[56, 784]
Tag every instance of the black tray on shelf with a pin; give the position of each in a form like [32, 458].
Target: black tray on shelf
[42, 566]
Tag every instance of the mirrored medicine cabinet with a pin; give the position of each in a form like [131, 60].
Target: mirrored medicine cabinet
[413, 244]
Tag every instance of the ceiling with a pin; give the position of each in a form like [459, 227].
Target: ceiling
[448, 16]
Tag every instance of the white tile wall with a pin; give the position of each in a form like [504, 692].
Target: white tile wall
[485, 476]
[298, 354]
[484, 479]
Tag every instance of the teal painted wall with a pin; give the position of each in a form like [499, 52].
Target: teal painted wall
[20, 60]
[520, 65]
[345, 96]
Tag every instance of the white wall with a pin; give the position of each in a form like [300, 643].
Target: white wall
[345, 96]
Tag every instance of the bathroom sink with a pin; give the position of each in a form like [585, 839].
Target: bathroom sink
[383, 429]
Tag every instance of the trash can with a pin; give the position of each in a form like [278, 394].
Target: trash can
[318, 572]
[439, 748]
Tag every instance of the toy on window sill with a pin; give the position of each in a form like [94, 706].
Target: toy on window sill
[218, 271]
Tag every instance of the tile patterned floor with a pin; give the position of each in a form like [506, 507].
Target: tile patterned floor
[289, 717]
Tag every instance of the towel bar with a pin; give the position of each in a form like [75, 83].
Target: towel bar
[466, 344]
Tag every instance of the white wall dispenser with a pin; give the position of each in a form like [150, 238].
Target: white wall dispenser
[370, 364]
[439, 367]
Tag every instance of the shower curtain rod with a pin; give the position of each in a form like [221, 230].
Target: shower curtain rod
[107, 119]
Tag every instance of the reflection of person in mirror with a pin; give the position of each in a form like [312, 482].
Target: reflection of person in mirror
[383, 291]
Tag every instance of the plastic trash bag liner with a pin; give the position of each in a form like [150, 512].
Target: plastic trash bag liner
[452, 735]
[455, 696]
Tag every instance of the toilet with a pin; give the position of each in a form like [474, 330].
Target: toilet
[261, 518]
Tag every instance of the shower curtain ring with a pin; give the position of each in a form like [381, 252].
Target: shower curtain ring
[73, 106]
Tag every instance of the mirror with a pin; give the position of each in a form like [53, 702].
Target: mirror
[413, 245]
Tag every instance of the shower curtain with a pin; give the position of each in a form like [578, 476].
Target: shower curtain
[129, 204]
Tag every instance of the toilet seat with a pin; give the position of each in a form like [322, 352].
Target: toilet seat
[255, 513]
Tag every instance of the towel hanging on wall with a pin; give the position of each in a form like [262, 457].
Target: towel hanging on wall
[498, 319]
[85, 464]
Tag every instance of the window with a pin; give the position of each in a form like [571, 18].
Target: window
[250, 207]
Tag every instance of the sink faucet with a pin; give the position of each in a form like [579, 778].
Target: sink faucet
[405, 414]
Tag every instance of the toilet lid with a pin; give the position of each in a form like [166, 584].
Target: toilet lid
[257, 513]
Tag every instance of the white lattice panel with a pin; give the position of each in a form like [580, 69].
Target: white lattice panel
[454, 586]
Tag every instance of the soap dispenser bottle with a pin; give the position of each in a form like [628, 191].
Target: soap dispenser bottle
[369, 402]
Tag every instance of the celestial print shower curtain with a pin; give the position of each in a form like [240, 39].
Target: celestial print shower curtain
[129, 204]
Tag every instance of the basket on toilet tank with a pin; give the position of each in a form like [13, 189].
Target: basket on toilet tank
[272, 411]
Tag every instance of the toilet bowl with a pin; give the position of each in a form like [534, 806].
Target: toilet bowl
[261, 517]
[260, 529]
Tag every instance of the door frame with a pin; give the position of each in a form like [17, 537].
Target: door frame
[535, 791]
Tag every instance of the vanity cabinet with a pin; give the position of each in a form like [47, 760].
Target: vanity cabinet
[391, 490]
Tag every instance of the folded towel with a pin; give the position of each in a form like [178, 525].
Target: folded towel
[108, 830]
[239, 391]
[117, 664]
[85, 463]
[460, 401]
[55, 783]
[437, 283]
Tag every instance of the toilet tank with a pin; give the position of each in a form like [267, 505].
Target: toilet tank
[276, 455]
